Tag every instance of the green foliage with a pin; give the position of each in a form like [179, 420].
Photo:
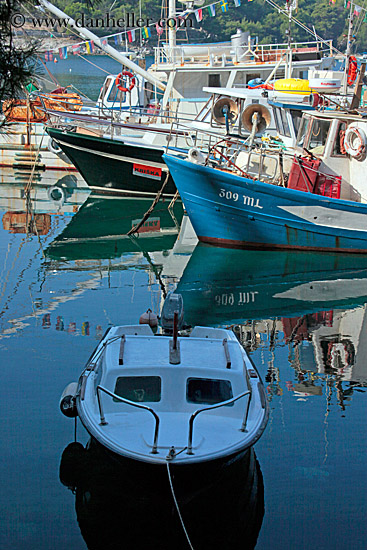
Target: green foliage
[258, 17]
[17, 64]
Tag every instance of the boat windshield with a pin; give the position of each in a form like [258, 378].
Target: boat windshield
[302, 132]
[139, 388]
[317, 136]
[208, 391]
[296, 118]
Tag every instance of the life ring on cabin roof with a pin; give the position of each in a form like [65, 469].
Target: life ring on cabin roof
[355, 142]
[352, 70]
[119, 81]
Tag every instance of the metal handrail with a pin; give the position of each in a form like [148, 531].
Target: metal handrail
[133, 404]
[221, 404]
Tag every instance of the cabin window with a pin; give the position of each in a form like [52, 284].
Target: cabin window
[283, 114]
[214, 81]
[302, 132]
[116, 95]
[139, 388]
[338, 147]
[296, 118]
[317, 136]
[208, 391]
[105, 87]
[278, 121]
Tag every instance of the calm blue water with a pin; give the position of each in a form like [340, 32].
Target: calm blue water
[67, 273]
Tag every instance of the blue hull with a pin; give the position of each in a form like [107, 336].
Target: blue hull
[234, 211]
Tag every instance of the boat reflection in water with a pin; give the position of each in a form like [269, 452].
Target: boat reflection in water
[100, 230]
[313, 303]
[31, 200]
[117, 507]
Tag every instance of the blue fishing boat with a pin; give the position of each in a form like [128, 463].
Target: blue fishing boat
[242, 196]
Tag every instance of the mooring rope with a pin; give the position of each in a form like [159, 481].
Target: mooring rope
[150, 210]
[177, 507]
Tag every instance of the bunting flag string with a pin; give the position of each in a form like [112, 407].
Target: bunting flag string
[89, 46]
[211, 10]
[146, 31]
[199, 15]
[224, 5]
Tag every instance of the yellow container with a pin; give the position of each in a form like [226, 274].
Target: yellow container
[292, 85]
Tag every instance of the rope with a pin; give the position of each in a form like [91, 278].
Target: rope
[177, 508]
[150, 209]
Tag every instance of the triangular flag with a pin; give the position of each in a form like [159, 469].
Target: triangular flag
[211, 10]
[224, 5]
[199, 15]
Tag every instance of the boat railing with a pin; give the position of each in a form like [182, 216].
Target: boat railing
[216, 406]
[133, 404]
[227, 53]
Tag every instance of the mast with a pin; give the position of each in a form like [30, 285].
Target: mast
[288, 69]
[349, 49]
[85, 33]
[172, 31]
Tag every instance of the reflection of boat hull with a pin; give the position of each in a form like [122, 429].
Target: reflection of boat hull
[112, 166]
[60, 193]
[100, 229]
[120, 496]
[223, 285]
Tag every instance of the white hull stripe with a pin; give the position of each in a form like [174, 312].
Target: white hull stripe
[131, 160]
[327, 217]
[323, 291]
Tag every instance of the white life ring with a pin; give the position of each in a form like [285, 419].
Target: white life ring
[56, 194]
[355, 142]
[54, 147]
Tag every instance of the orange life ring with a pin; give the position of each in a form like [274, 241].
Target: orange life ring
[352, 70]
[119, 80]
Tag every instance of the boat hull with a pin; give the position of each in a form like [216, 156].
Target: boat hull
[112, 166]
[233, 211]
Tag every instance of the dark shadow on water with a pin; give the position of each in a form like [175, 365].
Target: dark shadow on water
[126, 505]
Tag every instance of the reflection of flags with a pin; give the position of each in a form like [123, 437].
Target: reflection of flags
[146, 32]
[89, 46]
[159, 29]
[224, 5]
[211, 10]
[199, 15]
[237, 3]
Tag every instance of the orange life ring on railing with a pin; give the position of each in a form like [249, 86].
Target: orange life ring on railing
[119, 80]
[352, 70]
